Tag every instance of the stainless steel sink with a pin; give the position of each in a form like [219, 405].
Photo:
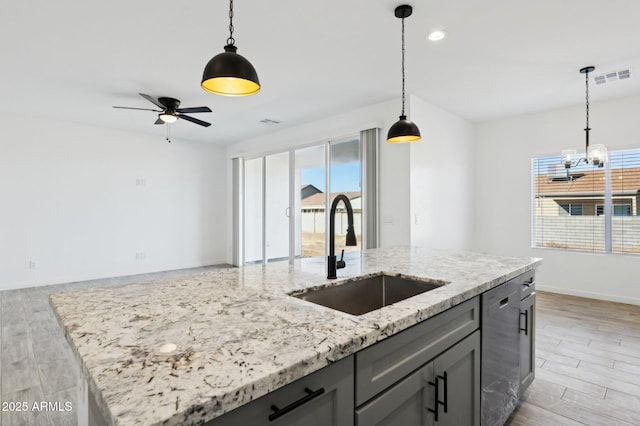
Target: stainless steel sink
[363, 295]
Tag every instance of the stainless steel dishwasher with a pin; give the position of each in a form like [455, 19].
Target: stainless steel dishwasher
[500, 375]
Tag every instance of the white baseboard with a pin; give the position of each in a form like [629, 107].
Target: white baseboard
[589, 294]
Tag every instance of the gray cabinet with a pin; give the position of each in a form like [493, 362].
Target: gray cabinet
[458, 374]
[323, 398]
[446, 390]
[390, 360]
[527, 341]
[405, 403]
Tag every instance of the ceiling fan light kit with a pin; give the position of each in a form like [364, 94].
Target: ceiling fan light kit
[228, 73]
[403, 130]
[167, 118]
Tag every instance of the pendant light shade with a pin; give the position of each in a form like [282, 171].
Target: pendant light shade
[228, 73]
[403, 130]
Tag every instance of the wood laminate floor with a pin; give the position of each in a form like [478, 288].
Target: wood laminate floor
[587, 352]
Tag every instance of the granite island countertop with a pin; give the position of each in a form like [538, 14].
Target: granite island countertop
[184, 351]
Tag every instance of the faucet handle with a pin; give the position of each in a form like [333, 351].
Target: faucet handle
[341, 263]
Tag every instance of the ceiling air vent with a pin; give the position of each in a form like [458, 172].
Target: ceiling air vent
[269, 122]
[608, 77]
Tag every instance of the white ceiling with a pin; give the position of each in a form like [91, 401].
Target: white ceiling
[73, 60]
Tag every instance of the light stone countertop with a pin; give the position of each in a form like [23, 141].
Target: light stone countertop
[239, 335]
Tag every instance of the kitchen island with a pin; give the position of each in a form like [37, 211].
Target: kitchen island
[180, 352]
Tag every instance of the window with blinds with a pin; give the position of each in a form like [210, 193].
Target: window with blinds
[587, 208]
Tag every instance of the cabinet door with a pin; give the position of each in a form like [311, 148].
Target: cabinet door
[323, 398]
[527, 341]
[405, 403]
[385, 363]
[457, 375]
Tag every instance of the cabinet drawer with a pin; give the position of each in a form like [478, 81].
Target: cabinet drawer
[527, 282]
[383, 364]
[301, 403]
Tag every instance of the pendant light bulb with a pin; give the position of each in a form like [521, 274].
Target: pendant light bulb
[228, 73]
[403, 130]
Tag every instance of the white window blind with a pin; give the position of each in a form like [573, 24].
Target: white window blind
[587, 208]
[625, 187]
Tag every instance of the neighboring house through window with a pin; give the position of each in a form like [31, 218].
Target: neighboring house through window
[571, 209]
[618, 209]
[570, 206]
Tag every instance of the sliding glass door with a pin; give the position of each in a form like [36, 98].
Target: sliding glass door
[310, 201]
[253, 210]
[288, 195]
[345, 178]
[276, 207]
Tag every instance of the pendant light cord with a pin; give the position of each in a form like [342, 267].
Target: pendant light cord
[403, 97]
[231, 41]
[587, 129]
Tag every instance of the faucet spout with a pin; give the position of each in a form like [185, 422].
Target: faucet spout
[332, 264]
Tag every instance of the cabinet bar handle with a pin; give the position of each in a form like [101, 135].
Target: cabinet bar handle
[437, 395]
[436, 400]
[278, 412]
[526, 322]
[446, 393]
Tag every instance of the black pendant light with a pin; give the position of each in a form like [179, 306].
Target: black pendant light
[403, 130]
[228, 73]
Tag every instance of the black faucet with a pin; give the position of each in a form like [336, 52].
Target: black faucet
[334, 265]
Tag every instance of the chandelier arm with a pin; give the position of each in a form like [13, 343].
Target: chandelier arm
[581, 159]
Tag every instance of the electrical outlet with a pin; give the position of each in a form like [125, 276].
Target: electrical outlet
[140, 255]
[141, 182]
[33, 264]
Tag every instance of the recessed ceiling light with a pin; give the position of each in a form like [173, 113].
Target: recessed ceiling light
[436, 35]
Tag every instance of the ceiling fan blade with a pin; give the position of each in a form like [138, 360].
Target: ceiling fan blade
[159, 121]
[194, 120]
[152, 100]
[141, 109]
[194, 110]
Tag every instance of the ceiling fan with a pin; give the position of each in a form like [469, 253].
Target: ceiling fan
[170, 111]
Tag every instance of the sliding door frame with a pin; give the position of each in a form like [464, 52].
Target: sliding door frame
[369, 175]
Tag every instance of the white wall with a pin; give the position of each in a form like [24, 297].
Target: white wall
[503, 194]
[394, 159]
[442, 170]
[81, 201]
